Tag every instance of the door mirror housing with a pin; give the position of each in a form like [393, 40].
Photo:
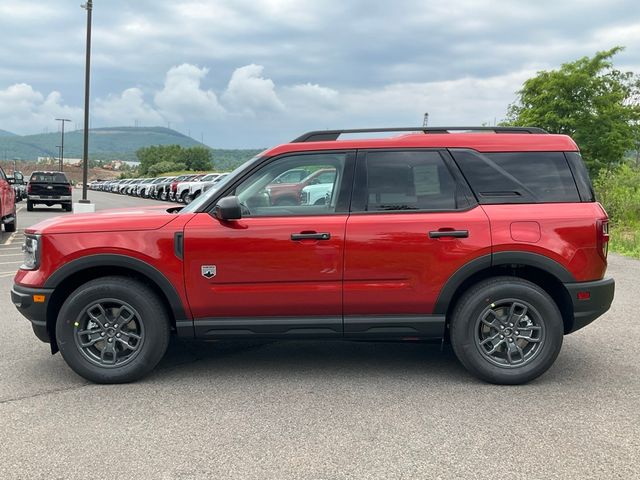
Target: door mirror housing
[228, 208]
[11, 180]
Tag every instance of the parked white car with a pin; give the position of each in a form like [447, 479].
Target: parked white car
[318, 194]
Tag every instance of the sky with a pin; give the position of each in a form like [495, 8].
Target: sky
[254, 73]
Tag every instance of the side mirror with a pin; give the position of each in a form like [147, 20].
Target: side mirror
[19, 178]
[228, 208]
[11, 180]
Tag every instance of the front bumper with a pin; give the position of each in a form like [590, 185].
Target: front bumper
[585, 310]
[24, 298]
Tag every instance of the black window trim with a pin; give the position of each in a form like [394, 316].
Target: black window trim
[358, 205]
[344, 196]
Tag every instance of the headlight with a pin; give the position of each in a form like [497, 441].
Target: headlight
[31, 249]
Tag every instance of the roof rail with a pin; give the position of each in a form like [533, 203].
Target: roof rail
[332, 135]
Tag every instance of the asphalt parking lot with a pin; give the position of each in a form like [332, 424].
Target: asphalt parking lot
[320, 410]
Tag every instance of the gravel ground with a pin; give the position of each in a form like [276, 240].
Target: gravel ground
[322, 410]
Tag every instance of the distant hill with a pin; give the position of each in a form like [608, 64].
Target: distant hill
[109, 144]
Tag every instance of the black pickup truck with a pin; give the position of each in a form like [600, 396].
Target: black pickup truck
[49, 188]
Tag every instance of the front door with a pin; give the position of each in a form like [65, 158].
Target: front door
[277, 270]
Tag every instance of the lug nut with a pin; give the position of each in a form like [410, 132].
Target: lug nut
[517, 332]
[102, 334]
[501, 327]
[115, 326]
[501, 337]
[511, 340]
[511, 324]
[110, 340]
[118, 335]
[106, 325]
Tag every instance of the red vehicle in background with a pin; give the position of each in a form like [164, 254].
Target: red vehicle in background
[173, 188]
[287, 194]
[8, 216]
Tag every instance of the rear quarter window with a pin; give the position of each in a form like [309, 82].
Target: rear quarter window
[518, 177]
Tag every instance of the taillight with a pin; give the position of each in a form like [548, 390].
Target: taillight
[29, 187]
[602, 233]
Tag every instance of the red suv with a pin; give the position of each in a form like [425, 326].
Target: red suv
[490, 238]
[7, 204]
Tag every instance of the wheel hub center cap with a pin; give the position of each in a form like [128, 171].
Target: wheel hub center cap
[111, 332]
[507, 332]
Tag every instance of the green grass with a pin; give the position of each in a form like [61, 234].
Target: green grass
[625, 239]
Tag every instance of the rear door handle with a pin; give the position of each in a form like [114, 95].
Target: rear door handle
[310, 236]
[449, 233]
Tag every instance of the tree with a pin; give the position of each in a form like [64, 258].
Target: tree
[164, 167]
[197, 158]
[587, 99]
[153, 154]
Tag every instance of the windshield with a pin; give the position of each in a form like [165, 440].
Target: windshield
[204, 198]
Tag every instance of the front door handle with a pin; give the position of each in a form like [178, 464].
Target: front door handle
[442, 233]
[310, 236]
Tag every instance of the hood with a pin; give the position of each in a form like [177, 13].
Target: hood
[120, 220]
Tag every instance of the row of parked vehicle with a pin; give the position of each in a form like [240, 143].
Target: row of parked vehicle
[182, 188]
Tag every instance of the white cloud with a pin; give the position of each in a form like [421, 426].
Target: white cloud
[250, 93]
[310, 96]
[126, 108]
[25, 110]
[182, 97]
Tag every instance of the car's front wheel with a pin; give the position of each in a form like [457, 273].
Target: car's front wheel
[112, 330]
[506, 330]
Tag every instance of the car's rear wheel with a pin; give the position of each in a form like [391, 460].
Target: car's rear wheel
[112, 330]
[506, 330]
[29, 206]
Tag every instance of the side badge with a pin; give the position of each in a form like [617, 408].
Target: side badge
[208, 271]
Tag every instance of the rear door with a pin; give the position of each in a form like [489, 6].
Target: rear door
[413, 223]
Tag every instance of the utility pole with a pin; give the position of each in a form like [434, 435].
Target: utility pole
[425, 122]
[85, 155]
[61, 157]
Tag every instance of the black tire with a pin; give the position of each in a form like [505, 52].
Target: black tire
[505, 301]
[11, 227]
[67, 207]
[29, 206]
[149, 318]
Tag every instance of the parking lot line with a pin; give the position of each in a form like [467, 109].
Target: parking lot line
[10, 254]
[10, 263]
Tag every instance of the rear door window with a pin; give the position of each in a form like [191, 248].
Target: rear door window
[408, 180]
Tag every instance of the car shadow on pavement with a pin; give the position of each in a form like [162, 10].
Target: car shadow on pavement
[310, 358]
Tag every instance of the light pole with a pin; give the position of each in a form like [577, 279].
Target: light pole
[61, 157]
[85, 155]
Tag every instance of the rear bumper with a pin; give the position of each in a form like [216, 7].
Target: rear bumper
[52, 198]
[35, 312]
[600, 293]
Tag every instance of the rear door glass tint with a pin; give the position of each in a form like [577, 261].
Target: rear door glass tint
[49, 178]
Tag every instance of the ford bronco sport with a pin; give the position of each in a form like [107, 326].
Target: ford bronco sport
[489, 238]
